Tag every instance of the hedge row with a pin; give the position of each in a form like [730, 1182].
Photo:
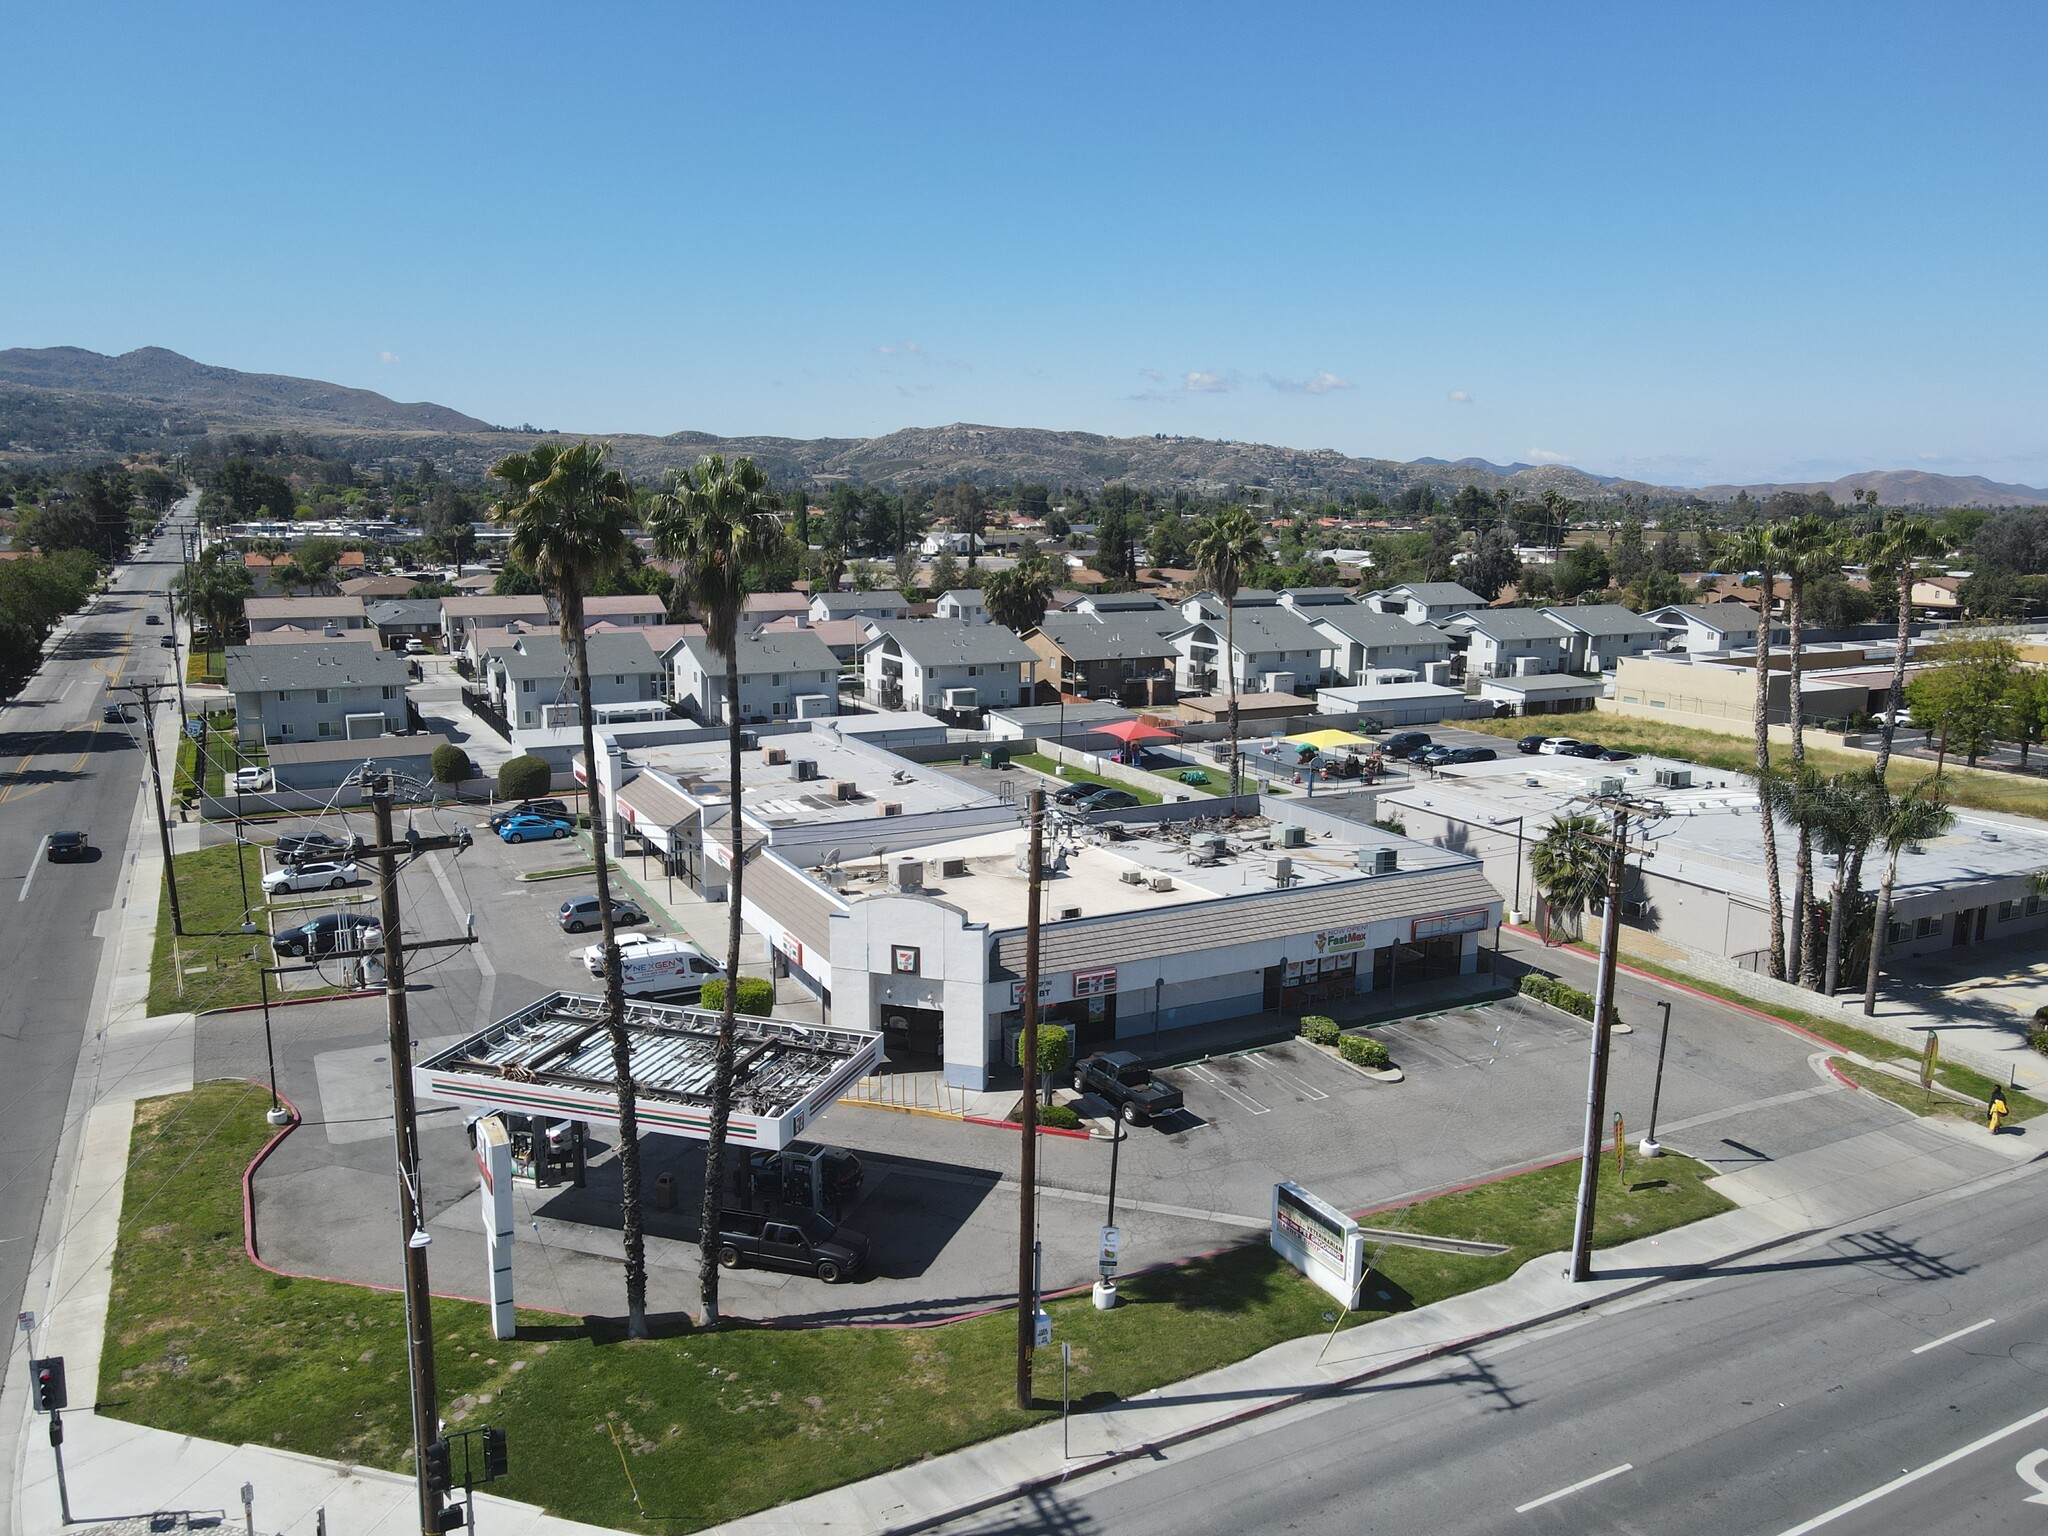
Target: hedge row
[1546, 989]
[1363, 1052]
[756, 995]
[1319, 1029]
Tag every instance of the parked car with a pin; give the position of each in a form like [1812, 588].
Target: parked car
[1554, 746]
[580, 912]
[1616, 755]
[1399, 745]
[1587, 749]
[1471, 755]
[527, 829]
[1430, 756]
[1073, 794]
[313, 875]
[333, 933]
[1530, 745]
[114, 714]
[249, 780]
[554, 808]
[1127, 1084]
[842, 1169]
[792, 1239]
[1109, 800]
[297, 847]
[70, 847]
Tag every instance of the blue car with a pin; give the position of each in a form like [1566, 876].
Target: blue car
[527, 829]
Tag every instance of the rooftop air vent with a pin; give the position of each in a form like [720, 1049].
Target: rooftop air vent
[774, 757]
[1068, 914]
[1283, 870]
[844, 789]
[1160, 883]
[1132, 877]
[1293, 837]
[804, 769]
[892, 808]
[952, 869]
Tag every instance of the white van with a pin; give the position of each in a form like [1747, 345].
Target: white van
[657, 967]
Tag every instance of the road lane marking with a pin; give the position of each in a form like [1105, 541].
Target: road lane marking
[2027, 1468]
[1582, 1483]
[1917, 1473]
[42, 846]
[1950, 1338]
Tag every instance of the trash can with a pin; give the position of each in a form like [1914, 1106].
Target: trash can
[995, 757]
[665, 1193]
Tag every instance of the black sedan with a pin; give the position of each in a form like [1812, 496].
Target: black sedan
[69, 847]
[1582, 749]
[309, 847]
[1109, 800]
[1616, 755]
[334, 934]
[1529, 745]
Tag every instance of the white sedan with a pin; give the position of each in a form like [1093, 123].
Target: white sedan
[330, 875]
[249, 780]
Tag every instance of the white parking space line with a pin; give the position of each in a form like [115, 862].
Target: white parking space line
[1580, 1485]
[476, 951]
[35, 863]
[1950, 1338]
[1306, 1089]
[1829, 1516]
[1236, 1096]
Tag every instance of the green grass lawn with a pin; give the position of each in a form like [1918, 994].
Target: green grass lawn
[223, 753]
[214, 964]
[1047, 766]
[711, 1426]
[206, 666]
[2013, 794]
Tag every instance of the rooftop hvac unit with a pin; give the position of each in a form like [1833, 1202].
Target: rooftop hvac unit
[844, 789]
[1379, 861]
[1283, 870]
[910, 875]
[1612, 786]
[1067, 914]
[1293, 837]
[774, 757]
[1132, 877]
[952, 869]
[892, 808]
[1201, 853]
[804, 769]
[1160, 883]
[1674, 778]
[1211, 843]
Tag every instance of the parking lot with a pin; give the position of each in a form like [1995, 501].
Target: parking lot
[1487, 1088]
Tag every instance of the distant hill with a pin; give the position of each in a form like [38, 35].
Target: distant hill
[65, 403]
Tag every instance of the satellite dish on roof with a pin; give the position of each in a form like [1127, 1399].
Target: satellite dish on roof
[832, 858]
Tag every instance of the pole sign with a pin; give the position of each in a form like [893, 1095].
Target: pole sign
[195, 727]
[1928, 1057]
[494, 1174]
[1112, 1243]
[1620, 1147]
[1319, 1240]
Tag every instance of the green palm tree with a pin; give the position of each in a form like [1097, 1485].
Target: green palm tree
[1902, 547]
[720, 523]
[1849, 814]
[1754, 550]
[1916, 816]
[1569, 865]
[1808, 546]
[569, 514]
[210, 592]
[1226, 546]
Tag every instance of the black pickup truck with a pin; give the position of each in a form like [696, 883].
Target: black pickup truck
[1127, 1084]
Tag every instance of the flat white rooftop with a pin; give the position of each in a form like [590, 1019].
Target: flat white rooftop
[775, 795]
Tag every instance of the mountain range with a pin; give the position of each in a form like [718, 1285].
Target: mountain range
[64, 404]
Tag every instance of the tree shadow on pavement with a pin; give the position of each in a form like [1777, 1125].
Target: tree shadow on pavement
[1878, 1250]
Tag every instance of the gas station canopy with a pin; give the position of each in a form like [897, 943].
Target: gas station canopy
[553, 1060]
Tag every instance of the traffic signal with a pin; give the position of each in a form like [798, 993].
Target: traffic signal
[437, 1463]
[494, 1454]
[47, 1381]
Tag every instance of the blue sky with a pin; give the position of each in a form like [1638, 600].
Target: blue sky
[1686, 243]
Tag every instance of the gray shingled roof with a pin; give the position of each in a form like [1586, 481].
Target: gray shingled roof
[1269, 629]
[1603, 619]
[845, 604]
[769, 651]
[1510, 624]
[320, 664]
[1367, 626]
[951, 642]
[1112, 636]
[1721, 616]
[1437, 592]
[1125, 602]
[404, 610]
[544, 656]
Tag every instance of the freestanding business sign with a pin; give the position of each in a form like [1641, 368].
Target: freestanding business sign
[494, 1169]
[1319, 1240]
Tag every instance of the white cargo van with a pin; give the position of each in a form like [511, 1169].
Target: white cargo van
[657, 967]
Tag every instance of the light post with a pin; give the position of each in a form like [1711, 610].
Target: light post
[277, 1114]
[242, 871]
[1650, 1146]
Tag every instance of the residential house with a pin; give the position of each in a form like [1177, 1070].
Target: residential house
[1366, 645]
[459, 615]
[1426, 602]
[1207, 605]
[1125, 656]
[533, 680]
[263, 570]
[372, 587]
[945, 664]
[1698, 628]
[1118, 602]
[761, 608]
[1510, 642]
[399, 619]
[784, 675]
[1276, 650]
[633, 610]
[842, 637]
[1602, 633]
[291, 634]
[944, 541]
[1937, 594]
[479, 641]
[964, 604]
[317, 614]
[1300, 598]
[316, 692]
[859, 605]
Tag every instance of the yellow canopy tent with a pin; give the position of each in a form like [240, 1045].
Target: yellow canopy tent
[1329, 741]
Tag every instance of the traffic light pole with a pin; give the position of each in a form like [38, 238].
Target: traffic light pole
[146, 692]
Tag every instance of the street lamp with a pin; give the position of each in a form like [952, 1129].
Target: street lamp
[277, 1114]
[242, 870]
[1650, 1146]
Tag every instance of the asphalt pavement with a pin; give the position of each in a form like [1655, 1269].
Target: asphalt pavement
[1893, 1378]
[61, 766]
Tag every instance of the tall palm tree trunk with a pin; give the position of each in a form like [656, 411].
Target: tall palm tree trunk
[630, 1225]
[1879, 928]
[1772, 887]
[1838, 919]
[1894, 702]
[728, 1015]
[1230, 671]
[1806, 928]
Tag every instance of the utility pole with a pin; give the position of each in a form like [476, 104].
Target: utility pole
[1027, 1172]
[1603, 1009]
[146, 692]
[412, 1215]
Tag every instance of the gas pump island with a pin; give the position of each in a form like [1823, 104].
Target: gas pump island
[532, 1081]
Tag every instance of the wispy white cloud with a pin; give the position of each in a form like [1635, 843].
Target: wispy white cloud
[1322, 382]
[1151, 373]
[1199, 383]
[387, 357]
[1546, 456]
[1153, 396]
[1461, 397]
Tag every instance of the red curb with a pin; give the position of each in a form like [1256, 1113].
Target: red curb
[1837, 1071]
[1012, 1125]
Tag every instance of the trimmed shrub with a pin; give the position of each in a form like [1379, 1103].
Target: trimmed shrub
[1060, 1117]
[1319, 1029]
[1547, 989]
[524, 778]
[1055, 1050]
[1362, 1051]
[451, 764]
[756, 995]
[2039, 1041]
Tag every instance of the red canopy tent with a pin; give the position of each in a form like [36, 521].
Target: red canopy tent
[1130, 732]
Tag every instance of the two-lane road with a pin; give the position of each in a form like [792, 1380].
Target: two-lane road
[1893, 1380]
[62, 766]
